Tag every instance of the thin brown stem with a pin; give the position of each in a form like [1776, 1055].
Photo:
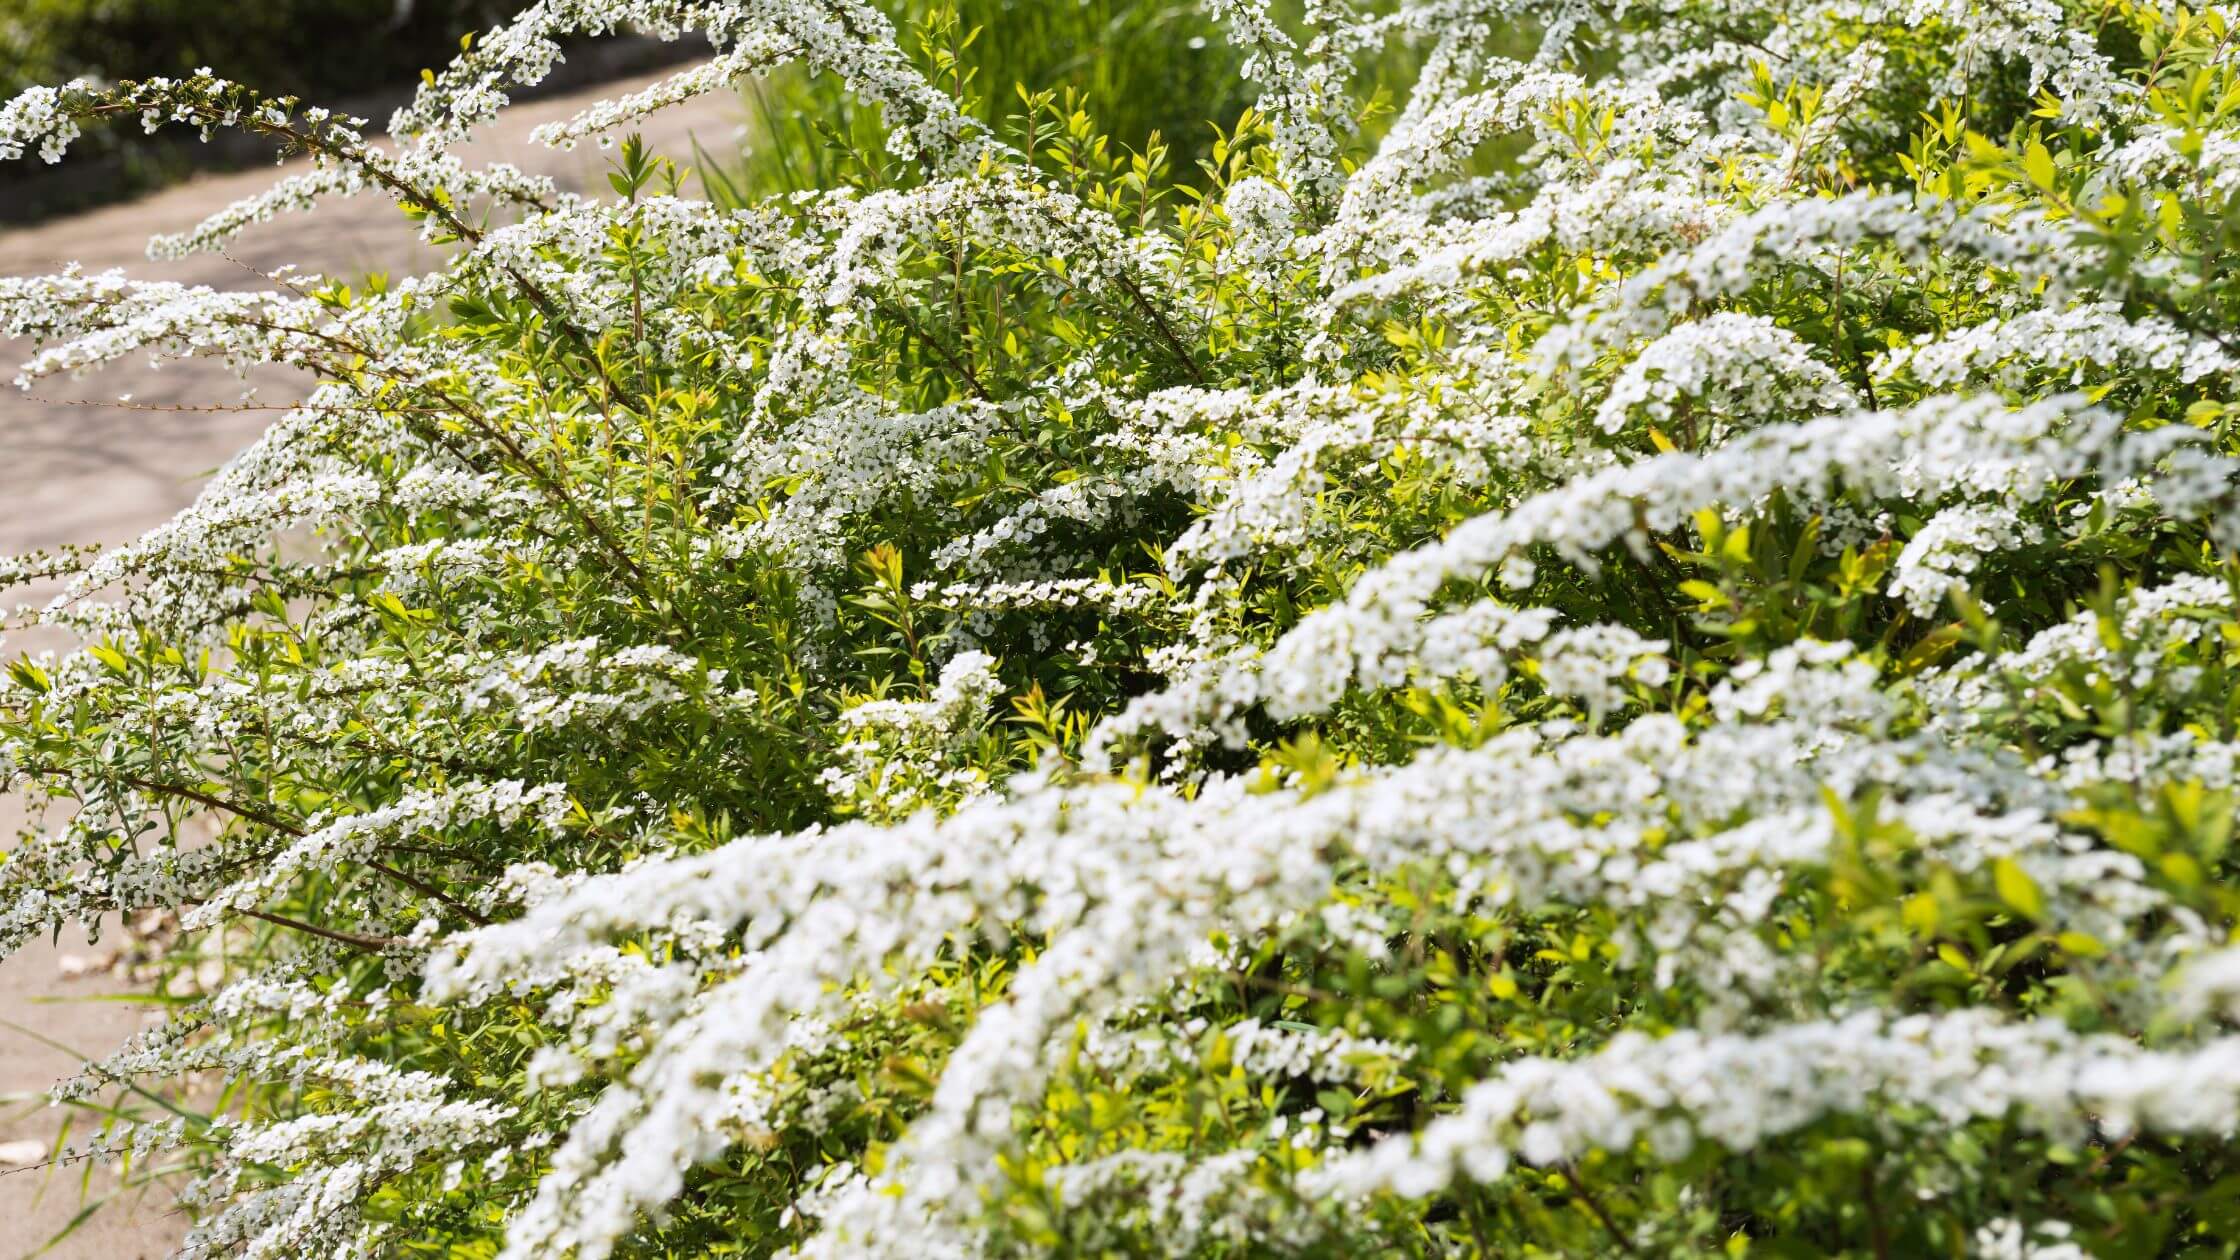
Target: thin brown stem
[1594, 1205]
[427, 889]
[370, 944]
[935, 344]
[254, 814]
[1878, 1231]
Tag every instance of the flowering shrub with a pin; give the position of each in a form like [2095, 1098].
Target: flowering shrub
[1632, 652]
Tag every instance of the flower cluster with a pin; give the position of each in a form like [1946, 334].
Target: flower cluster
[1633, 654]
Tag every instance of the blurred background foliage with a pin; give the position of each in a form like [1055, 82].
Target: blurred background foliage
[1145, 68]
[317, 49]
[325, 51]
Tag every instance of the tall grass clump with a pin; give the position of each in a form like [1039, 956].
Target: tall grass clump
[1153, 73]
[1625, 648]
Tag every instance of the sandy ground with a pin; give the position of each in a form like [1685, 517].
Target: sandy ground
[88, 474]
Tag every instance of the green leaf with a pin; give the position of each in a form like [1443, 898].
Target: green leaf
[2017, 889]
[2080, 944]
[30, 677]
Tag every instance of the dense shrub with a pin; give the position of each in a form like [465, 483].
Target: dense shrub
[1633, 654]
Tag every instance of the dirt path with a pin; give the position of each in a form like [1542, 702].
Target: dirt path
[103, 475]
